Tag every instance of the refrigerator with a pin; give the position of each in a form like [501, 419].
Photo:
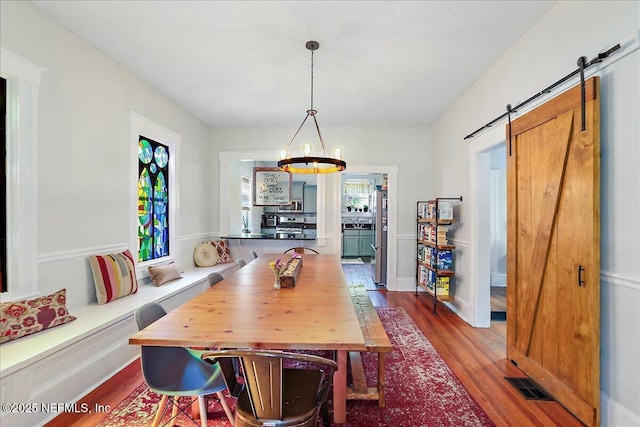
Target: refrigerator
[379, 246]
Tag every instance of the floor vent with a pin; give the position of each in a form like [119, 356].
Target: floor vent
[529, 389]
[498, 315]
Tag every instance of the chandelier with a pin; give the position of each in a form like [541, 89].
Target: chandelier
[308, 164]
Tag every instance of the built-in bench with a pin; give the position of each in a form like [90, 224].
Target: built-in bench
[62, 364]
[376, 340]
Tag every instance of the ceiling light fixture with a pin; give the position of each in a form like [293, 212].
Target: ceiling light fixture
[309, 164]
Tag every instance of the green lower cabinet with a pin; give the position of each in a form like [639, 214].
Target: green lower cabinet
[350, 240]
[357, 243]
[365, 242]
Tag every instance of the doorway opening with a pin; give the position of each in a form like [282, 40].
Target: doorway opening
[498, 232]
[363, 220]
[491, 195]
[392, 213]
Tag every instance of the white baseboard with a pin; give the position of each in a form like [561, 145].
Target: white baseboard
[406, 284]
[498, 280]
[613, 414]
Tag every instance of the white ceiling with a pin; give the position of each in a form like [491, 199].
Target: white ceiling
[244, 63]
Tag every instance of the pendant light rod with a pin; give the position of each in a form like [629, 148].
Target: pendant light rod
[312, 48]
[311, 45]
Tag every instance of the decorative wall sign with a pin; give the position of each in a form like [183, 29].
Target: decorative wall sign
[271, 187]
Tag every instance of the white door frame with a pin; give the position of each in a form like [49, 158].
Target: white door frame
[480, 256]
[392, 221]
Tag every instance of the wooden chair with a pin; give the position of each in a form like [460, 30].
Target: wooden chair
[301, 250]
[276, 395]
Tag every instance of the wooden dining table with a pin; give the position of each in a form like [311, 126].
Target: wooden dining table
[245, 311]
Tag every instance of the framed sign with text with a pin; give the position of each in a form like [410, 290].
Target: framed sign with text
[271, 187]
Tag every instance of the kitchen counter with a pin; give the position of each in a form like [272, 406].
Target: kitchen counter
[258, 236]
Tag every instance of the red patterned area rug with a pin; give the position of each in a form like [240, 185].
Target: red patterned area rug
[421, 390]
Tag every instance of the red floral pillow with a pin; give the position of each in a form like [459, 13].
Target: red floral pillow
[224, 255]
[21, 318]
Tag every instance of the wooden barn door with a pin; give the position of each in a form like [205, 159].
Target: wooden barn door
[553, 249]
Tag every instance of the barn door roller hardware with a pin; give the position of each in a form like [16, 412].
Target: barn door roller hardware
[583, 64]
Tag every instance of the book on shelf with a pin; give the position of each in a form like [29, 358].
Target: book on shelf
[445, 210]
[431, 209]
[422, 210]
[437, 284]
[427, 210]
[445, 260]
[442, 286]
[423, 275]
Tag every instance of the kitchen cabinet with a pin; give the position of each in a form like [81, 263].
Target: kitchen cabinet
[350, 243]
[297, 191]
[365, 241]
[311, 198]
[357, 243]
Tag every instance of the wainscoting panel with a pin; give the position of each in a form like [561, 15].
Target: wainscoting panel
[52, 382]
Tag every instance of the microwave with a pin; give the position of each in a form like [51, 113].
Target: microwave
[294, 206]
[269, 220]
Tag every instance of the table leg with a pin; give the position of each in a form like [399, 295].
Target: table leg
[340, 389]
[381, 379]
[195, 409]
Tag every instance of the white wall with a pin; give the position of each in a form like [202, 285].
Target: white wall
[83, 172]
[543, 55]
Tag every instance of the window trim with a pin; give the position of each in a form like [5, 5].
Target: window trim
[140, 125]
[23, 83]
[245, 185]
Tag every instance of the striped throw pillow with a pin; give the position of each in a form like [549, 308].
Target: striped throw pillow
[114, 276]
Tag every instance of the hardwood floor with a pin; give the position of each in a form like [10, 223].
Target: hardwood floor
[476, 356]
[498, 298]
[110, 394]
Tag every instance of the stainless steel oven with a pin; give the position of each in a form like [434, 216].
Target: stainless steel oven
[290, 227]
[296, 206]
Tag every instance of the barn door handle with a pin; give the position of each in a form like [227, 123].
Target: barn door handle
[580, 281]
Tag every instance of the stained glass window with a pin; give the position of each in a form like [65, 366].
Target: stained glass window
[153, 199]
